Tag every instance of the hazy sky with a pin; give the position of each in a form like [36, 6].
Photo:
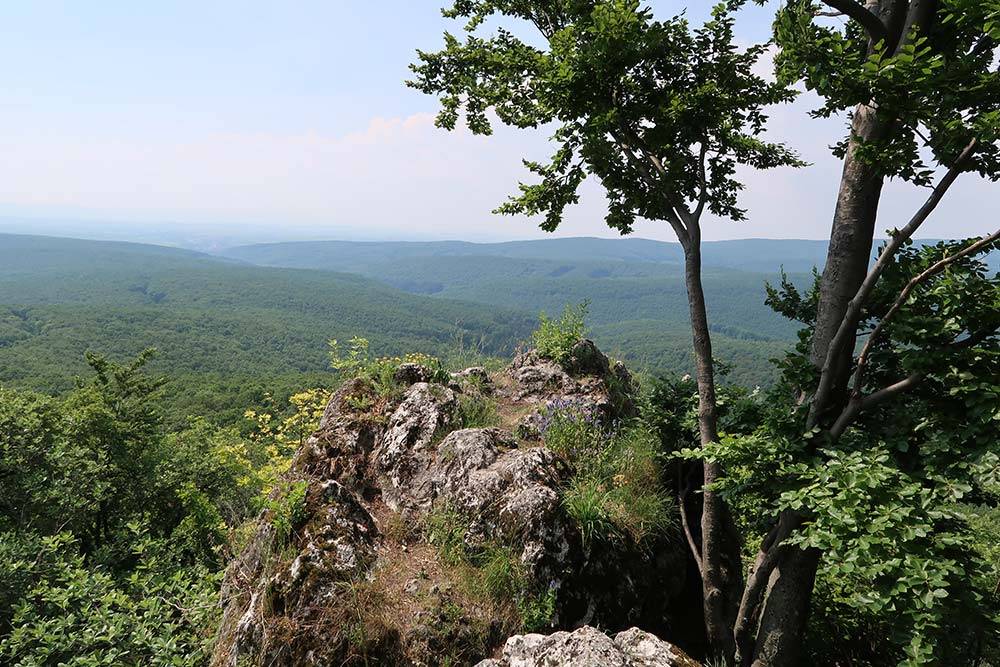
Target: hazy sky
[294, 114]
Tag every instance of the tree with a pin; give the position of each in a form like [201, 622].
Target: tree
[662, 114]
[918, 82]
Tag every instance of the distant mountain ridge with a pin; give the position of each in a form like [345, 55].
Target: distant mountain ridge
[745, 254]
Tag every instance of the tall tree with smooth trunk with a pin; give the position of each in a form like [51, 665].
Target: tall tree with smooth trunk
[662, 114]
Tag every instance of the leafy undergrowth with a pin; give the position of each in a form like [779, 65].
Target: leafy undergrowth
[615, 494]
[490, 572]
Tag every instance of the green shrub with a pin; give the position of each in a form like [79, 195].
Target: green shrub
[477, 411]
[615, 492]
[380, 372]
[76, 612]
[288, 509]
[555, 338]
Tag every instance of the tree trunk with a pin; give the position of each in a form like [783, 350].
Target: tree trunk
[849, 252]
[783, 617]
[720, 549]
[784, 612]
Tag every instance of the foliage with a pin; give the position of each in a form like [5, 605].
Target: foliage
[554, 339]
[886, 503]
[937, 85]
[71, 611]
[112, 529]
[380, 372]
[661, 113]
[275, 440]
[287, 508]
[476, 411]
[493, 569]
[615, 493]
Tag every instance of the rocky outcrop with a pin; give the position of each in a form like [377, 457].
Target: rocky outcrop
[407, 447]
[587, 379]
[346, 578]
[588, 647]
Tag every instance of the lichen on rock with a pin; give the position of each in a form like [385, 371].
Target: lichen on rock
[589, 647]
[355, 580]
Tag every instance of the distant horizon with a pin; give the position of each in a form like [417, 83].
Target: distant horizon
[210, 245]
[211, 237]
[293, 119]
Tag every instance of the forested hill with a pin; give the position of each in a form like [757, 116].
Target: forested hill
[635, 287]
[226, 332]
[755, 255]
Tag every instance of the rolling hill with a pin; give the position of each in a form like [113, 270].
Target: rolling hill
[226, 331]
[635, 287]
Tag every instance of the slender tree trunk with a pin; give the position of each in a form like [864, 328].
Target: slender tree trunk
[850, 247]
[720, 549]
[784, 612]
[783, 617]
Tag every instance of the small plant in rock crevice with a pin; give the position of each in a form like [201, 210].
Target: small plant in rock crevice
[491, 570]
[287, 509]
[554, 339]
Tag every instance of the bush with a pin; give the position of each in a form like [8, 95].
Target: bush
[615, 493]
[72, 612]
[554, 339]
[288, 509]
[477, 411]
[380, 371]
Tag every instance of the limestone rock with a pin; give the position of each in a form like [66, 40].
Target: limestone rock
[411, 373]
[589, 647]
[407, 446]
[587, 378]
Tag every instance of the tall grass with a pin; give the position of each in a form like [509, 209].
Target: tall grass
[615, 493]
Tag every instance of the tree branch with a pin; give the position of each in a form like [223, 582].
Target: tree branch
[676, 221]
[871, 23]
[931, 271]
[692, 544]
[849, 323]
[856, 406]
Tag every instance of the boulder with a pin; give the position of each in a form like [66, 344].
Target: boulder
[408, 373]
[589, 647]
[407, 446]
[587, 378]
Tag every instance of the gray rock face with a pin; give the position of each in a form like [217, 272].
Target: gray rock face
[588, 647]
[338, 544]
[588, 378]
[406, 448]
[340, 449]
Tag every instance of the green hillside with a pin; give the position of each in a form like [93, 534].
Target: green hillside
[225, 331]
[229, 331]
[638, 302]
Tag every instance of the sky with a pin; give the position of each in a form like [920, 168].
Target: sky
[291, 119]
